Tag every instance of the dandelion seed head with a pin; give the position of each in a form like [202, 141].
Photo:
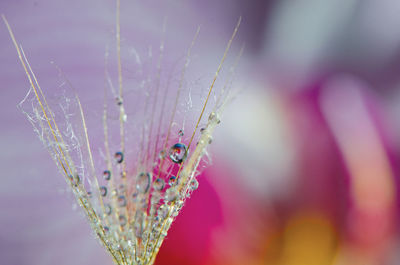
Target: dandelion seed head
[117, 171]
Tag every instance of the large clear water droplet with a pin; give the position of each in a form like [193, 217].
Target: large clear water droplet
[143, 182]
[181, 133]
[178, 153]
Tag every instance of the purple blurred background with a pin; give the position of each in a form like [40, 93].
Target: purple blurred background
[305, 162]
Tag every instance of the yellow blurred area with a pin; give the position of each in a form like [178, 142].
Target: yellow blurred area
[306, 239]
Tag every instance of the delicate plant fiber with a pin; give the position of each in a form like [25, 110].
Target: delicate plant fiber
[133, 194]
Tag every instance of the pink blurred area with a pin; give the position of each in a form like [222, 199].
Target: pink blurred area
[305, 162]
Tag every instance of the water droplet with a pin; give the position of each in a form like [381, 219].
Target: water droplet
[202, 130]
[139, 230]
[106, 229]
[108, 209]
[159, 184]
[181, 133]
[121, 201]
[163, 212]
[171, 195]
[162, 154]
[214, 116]
[121, 188]
[172, 181]
[107, 174]
[75, 180]
[134, 194]
[211, 116]
[103, 191]
[122, 220]
[119, 157]
[143, 182]
[156, 220]
[194, 184]
[139, 224]
[89, 194]
[149, 249]
[178, 153]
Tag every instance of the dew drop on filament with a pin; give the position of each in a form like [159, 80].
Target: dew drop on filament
[214, 116]
[194, 184]
[121, 188]
[162, 154]
[171, 195]
[107, 174]
[119, 157]
[108, 209]
[143, 182]
[75, 180]
[180, 133]
[122, 220]
[172, 181]
[178, 153]
[159, 184]
[103, 191]
[121, 201]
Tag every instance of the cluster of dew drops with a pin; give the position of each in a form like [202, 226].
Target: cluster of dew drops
[177, 153]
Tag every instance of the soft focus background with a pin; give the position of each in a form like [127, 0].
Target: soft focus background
[306, 160]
